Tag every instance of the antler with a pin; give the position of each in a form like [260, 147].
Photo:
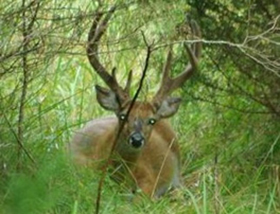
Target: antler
[169, 84]
[97, 29]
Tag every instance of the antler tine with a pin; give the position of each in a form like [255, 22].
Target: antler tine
[197, 35]
[165, 81]
[194, 55]
[167, 66]
[168, 84]
[128, 82]
[97, 29]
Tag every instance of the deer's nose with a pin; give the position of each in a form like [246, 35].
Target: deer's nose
[136, 140]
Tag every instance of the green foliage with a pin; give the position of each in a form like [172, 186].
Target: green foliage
[228, 124]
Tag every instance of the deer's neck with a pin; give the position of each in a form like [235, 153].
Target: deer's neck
[126, 153]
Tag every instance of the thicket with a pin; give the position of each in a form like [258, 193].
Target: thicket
[228, 124]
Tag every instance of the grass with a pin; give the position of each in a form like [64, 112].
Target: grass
[53, 185]
[230, 159]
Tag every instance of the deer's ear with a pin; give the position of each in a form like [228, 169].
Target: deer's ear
[107, 98]
[168, 107]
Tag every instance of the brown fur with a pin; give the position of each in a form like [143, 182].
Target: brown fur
[154, 168]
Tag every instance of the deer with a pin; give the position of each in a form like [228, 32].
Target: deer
[138, 140]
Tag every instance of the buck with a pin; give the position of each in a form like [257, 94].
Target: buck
[139, 142]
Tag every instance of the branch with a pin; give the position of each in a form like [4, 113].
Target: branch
[104, 172]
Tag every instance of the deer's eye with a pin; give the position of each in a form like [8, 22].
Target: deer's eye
[152, 121]
[122, 117]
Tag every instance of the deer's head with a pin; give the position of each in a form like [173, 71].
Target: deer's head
[138, 119]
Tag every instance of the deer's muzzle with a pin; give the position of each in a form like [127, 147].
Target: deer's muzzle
[136, 140]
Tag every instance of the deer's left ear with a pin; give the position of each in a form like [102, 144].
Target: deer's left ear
[107, 98]
[168, 107]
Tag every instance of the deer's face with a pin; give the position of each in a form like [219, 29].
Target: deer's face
[136, 124]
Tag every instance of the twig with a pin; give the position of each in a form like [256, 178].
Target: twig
[149, 51]
[24, 85]
[18, 141]
[26, 33]
[104, 172]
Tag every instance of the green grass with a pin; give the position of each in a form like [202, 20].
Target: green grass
[232, 184]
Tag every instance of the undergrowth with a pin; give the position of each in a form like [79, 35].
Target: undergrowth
[230, 159]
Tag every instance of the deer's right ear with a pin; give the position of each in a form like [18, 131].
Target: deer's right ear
[168, 107]
[107, 98]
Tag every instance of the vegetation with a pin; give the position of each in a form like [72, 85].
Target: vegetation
[228, 124]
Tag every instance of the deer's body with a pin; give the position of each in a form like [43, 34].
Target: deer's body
[139, 142]
[154, 168]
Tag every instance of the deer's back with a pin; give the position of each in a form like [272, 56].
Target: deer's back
[93, 142]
